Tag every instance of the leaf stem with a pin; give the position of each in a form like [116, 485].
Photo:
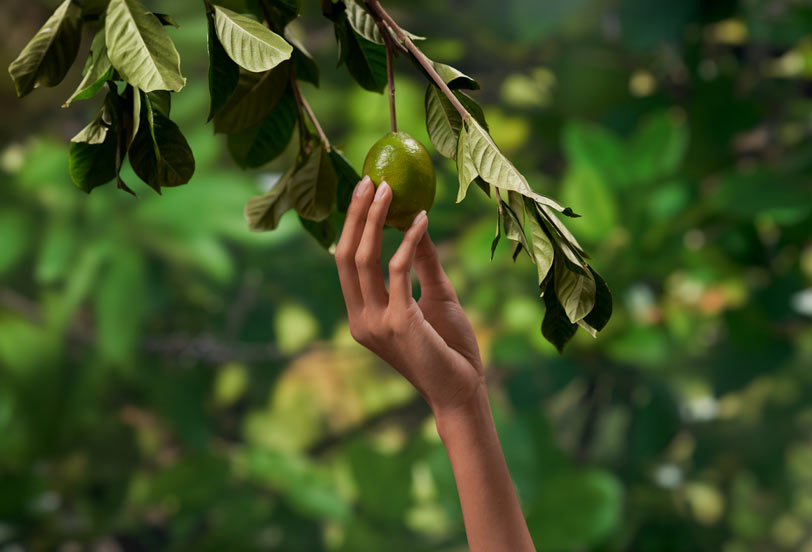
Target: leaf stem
[300, 99]
[377, 10]
[388, 42]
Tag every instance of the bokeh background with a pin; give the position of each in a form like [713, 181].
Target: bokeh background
[170, 381]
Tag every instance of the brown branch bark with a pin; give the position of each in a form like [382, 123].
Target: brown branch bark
[377, 10]
[302, 102]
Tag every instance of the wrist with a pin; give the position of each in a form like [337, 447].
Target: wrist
[470, 414]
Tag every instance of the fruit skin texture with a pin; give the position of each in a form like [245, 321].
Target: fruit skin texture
[406, 166]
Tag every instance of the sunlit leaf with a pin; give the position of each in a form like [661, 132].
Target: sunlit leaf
[454, 78]
[252, 45]
[140, 48]
[575, 291]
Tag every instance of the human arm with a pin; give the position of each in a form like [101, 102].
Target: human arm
[432, 344]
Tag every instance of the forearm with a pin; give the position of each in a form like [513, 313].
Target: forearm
[490, 508]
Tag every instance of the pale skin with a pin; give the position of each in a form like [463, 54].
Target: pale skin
[431, 343]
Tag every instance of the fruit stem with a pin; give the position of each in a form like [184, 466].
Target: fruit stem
[388, 42]
[377, 10]
[300, 99]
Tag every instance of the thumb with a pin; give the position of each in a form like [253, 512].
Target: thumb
[434, 282]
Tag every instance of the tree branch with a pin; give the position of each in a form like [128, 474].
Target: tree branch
[300, 99]
[377, 10]
[390, 71]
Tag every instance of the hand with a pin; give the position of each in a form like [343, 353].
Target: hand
[430, 341]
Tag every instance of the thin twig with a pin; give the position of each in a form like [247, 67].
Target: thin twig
[389, 43]
[300, 99]
[421, 58]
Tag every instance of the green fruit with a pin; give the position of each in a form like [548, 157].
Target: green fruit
[406, 166]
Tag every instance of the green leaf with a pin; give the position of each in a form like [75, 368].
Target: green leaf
[366, 61]
[454, 78]
[443, 122]
[92, 165]
[498, 235]
[160, 154]
[252, 45]
[513, 229]
[466, 172]
[45, 60]
[93, 133]
[160, 101]
[324, 231]
[98, 70]
[348, 178]
[224, 74]
[542, 249]
[586, 190]
[255, 146]
[264, 211]
[283, 12]
[495, 168]
[167, 20]
[312, 188]
[556, 326]
[602, 311]
[304, 66]
[140, 48]
[575, 290]
[658, 147]
[255, 97]
[362, 22]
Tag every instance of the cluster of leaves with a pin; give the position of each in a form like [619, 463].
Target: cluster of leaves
[254, 71]
[132, 56]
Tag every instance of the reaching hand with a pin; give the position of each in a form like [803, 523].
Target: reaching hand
[430, 341]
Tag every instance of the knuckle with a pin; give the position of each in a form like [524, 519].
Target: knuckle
[341, 256]
[360, 333]
[364, 257]
[398, 265]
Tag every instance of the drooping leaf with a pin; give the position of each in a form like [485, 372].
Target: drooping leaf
[348, 178]
[443, 122]
[140, 48]
[498, 235]
[366, 61]
[362, 22]
[304, 66]
[160, 101]
[135, 96]
[160, 154]
[98, 70]
[255, 97]
[556, 326]
[45, 60]
[92, 161]
[602, 311]
[575, 291]
[324, 231]
[496, 169]
[224, 74]
[264, 211]
[466, 172]
[513, 229]
[312, 187]
[251, 45]
[255, 146]
[542, 246]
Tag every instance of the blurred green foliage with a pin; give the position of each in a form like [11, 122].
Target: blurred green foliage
[170, 381]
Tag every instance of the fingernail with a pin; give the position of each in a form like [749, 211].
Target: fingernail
[419, 218]
[379, 195]
[361, 187]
